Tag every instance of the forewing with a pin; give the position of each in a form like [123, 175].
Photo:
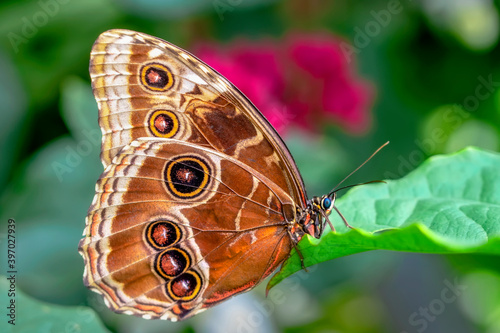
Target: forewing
[147, 87]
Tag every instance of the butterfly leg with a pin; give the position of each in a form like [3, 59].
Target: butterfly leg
[329, 223]
[342, 217]
[298, 252]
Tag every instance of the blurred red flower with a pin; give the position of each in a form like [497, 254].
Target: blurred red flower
[300, 81]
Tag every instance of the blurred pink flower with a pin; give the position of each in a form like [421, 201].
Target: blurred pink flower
[343, 96]
[300, 81]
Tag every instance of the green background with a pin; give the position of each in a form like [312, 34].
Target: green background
[426, 63]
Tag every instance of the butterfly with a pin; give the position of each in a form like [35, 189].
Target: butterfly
[200, 199]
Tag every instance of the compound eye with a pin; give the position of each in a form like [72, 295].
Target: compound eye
[326, 203]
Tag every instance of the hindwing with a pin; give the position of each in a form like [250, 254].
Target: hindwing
[175, 228]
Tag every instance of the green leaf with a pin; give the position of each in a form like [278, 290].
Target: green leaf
[30, 315]
[451, 204]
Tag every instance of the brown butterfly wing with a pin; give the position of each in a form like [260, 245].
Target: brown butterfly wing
[175, 228]
[195, 202]
[148, 87]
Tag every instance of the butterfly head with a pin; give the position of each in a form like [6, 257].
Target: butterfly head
[326, 203]
[314, 217]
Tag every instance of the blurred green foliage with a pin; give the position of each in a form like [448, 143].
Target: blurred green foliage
[42, 317]
[428, 63]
